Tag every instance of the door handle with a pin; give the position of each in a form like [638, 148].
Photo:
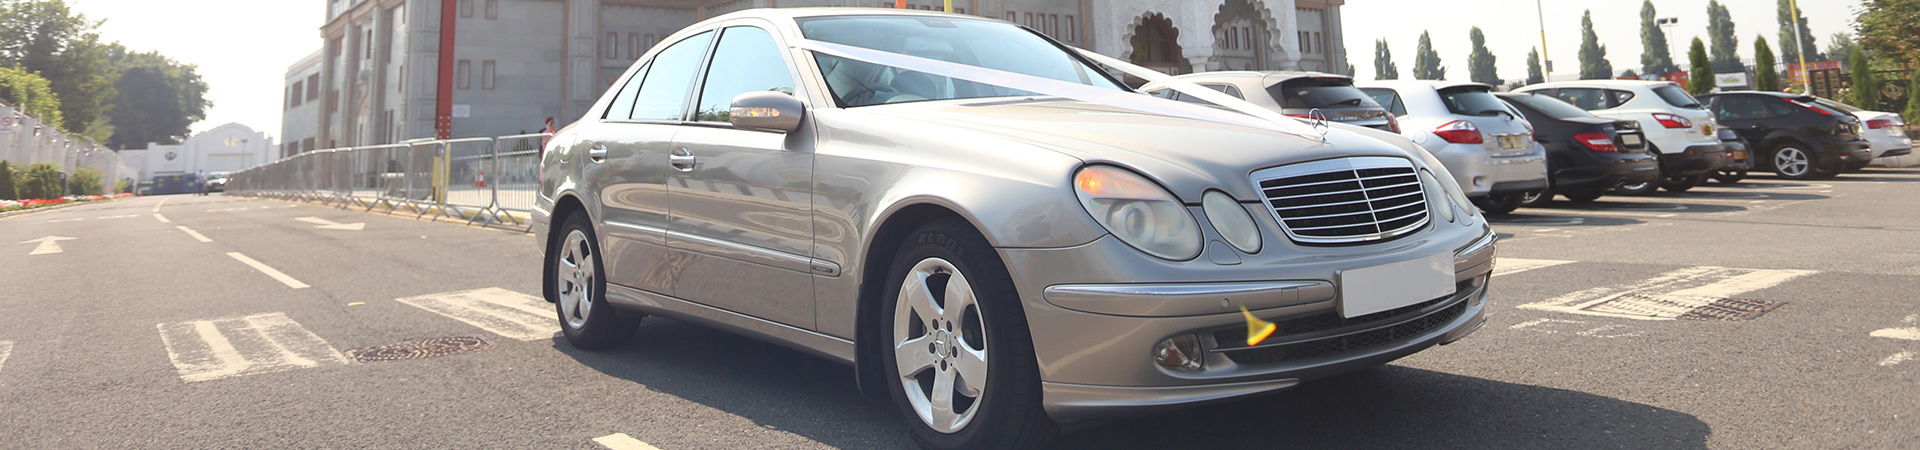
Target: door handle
[682, 159]
[598, 153]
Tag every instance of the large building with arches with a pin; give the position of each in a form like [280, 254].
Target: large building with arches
[515, 63]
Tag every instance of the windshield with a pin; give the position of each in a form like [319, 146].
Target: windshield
[1676, 97]
[217, 176]
[1552, 107]
[1320, 93]
[992, 45]
[1472, 101]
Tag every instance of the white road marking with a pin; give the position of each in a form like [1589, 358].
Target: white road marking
[77, 219]
[1534, 322]
[1510, 266]
[1896, 359]
[195, 234]
[162, 219]
[156, 206]
[228, 209]
[621, 441]
[325, 224]
[119, 217]
[1668, 295]
[223, 348]
[48, 245]
[277, 275]
[6, 349]
[507, 313]
[1911, 334]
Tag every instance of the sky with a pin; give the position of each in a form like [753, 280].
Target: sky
[243, 47]
[1513, 28]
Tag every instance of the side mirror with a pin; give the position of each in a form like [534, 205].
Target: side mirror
[767, 111]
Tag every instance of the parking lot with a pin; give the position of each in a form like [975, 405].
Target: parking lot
[1764, 314]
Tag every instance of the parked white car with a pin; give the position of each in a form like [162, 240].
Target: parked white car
[1886, 131]
[1679, 129]
[1487, 146]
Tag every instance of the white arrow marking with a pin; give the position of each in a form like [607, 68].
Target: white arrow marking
[325, 224]
[1911, 334]
[49, 244]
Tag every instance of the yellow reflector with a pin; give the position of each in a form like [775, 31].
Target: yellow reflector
[1257, 330]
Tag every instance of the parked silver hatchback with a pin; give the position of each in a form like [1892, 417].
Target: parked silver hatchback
[994, 232]
[1488, 146]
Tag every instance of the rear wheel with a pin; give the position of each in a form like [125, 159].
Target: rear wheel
[1792, 161]
[580, 289]
[960, 357]
[1498, 204]
[1682, 184]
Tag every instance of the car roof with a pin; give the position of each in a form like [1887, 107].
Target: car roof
[794, 13]
[1602, 83]
[1433, 84]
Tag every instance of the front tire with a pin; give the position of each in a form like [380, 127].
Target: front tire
[580, 289]
[1792, 161]
[960, 359]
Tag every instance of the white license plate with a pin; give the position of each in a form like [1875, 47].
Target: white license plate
[1513, 141]
[1630, 140]
[1386, 287]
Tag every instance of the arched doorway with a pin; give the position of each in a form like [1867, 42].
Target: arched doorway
[1240, 37]
[1156, 45]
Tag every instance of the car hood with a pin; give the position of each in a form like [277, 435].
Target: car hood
[1188, 156]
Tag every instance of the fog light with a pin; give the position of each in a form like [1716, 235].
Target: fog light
[1181, 353]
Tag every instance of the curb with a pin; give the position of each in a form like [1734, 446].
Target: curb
[28, 212]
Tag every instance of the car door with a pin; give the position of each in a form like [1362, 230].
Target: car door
[1744, 114]
[741, 199]
[628, 166]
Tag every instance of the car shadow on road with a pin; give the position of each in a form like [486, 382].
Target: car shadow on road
[1745, 195]
[773, 386]
[1396, 407]
[1532, 217]
[1604, 205]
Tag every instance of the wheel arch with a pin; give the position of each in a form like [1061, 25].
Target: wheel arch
[885, 241]
[564, 207]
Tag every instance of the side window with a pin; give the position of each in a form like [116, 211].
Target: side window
[622, 106]
[747, 60]
[663, 93]
[1617, 98]
[1226, 89]
[1162, 93]
[1389, 99]
[1190, 99]
[1777, 108]
[1585, 98]
[1738, 107]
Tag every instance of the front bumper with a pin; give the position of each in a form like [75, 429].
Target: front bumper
[1097, 364]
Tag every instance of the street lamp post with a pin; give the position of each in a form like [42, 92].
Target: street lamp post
[1546, 63]
[1806, 80]
[1666, 27]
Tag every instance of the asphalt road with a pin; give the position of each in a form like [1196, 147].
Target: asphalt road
[138, 333]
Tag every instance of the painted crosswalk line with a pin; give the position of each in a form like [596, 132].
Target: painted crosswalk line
[621, 441]
[206, 350]
[507, 313]
[6, 349]
[1669, 295]
[1510, 266]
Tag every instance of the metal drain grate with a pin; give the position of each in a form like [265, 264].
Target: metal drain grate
[422, 349]
[1732, 310]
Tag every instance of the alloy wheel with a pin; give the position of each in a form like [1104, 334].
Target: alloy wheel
[575, 272]
[1792, 162]
[940, 345]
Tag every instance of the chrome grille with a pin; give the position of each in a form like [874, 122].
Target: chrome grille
[1346, 200]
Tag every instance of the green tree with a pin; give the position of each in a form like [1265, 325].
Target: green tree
[1654, 55]
[30, 94]
[1913, 101]
[1426, 62]
[1720, 36]
[7, 189]
[1788, 20]
[1839, 47]
[1383, 67]
[1534, 74]
[1765, 76]
[1480, 68]
[1887, 28]
[158, 99]
[41, 181]
[85, 181]
[1866, 86]
[46, 37]
[1593, 56]
[1700, 76]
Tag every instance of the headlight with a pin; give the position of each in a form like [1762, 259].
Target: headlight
[1138, 212]
[1231, 220]
[1454, 194]
[1434, 188]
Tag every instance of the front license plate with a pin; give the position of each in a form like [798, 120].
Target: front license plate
[1513, 141]
[1386, 287]
[1630, 140]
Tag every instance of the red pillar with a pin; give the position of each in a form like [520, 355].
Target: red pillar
[443, 100]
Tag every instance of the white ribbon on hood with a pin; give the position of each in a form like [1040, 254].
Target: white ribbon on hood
[1251, 115]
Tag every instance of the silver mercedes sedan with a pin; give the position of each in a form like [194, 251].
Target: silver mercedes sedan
[996, 234]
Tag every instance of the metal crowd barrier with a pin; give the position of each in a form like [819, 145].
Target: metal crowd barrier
[486, 181]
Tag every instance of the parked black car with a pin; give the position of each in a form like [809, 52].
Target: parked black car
[1739, 161]
[1586, 154]
[1793, 136]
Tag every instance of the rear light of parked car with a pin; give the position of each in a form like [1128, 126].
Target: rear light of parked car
[1596, 141]
[1672, 121]
[1876, 124]
[1393, 122]
[1459, 132]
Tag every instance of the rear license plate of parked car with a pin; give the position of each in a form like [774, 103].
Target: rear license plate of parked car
[1630, 140]
[1513, 141]
[1739, 154]
[1390, 286]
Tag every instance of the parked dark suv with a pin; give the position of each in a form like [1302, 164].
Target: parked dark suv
[1793, 135]
[1586, 154]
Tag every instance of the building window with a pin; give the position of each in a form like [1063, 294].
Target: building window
[486, 75]
[1070, 36]
[1154, 45]
[610, 48]
[1028, 21]
[493, 9]
[1319, 43]
[633, 45]
[369, 41]
[313, 87]
[464, 73]
[466, 9]
[298, 92]
[651, 41]
[306, 145]
[1013, 16]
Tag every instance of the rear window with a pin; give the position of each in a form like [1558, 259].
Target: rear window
[1320, 93]
[1676, 97]
[1550, 106]
[1472, 101]
[1387, 98]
